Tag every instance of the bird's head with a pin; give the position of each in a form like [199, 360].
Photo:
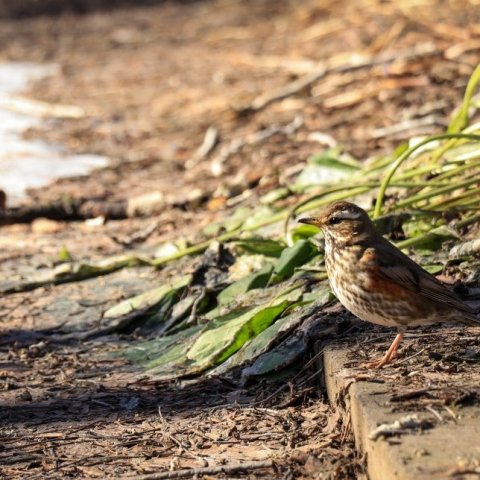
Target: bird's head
[342, 222]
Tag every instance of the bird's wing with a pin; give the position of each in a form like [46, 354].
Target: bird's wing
[397, 267]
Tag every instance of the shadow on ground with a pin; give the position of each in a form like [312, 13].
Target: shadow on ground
[32, 8]
[50, 378]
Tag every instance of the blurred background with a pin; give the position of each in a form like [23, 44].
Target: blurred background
[29, 8]
[141, 84]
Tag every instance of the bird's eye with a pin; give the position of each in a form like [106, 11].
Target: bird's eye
[334, 220]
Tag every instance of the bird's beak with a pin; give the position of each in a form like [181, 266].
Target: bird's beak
[311, 221]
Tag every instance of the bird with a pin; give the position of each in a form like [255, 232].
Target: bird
[377, 282]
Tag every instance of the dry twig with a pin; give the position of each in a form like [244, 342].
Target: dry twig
[192, 472]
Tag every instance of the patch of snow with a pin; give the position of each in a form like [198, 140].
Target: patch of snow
[31, 163]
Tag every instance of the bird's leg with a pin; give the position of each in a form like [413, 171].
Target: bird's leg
[388, 357]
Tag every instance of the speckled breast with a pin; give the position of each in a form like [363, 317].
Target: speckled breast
[355, 288]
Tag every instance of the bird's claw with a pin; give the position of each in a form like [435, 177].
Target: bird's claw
[380, 362]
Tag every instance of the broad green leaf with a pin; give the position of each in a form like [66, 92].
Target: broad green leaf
[272, 335]
[163, 310]
[433, 239]
[255, 280]
[216, 345]
[270, 359]
[279, 357]
[228, 333]
[419, 226]
[303, 232]
[262, 342]
[151, 350]
[172, 362]
[177, 348]
[262, 246]
[145, 303]
[327, 168]
[322, 294]
[253, 298]
[73, 272]
[145, 300]
[293, 257]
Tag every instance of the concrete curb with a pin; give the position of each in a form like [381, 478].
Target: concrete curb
[442, 449]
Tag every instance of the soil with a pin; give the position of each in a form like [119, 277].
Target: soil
[152, 80]
[70, 410]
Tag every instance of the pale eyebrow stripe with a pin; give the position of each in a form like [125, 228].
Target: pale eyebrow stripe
[348, 214]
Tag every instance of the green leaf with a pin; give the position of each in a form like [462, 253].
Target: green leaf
[172, 361]
[327, 168]
[175, 350]
[322, 294]
[146, 303]
[215, 345]
[233, 222]
[431, 240]
[261, 343]
[288, 348]
[274, 195]
[293, 257]
[258, 215]
[261, 246]
[460, 120]
[419, 226]
[255, 280]
[64, 255]
[73, 272]
[400, 150]
[279, 357]
[272, 335]
[163, 310]
[303, 232]
[152, 350]
[433, 268]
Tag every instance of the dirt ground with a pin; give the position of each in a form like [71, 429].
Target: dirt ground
[66, 414]
[152, 80]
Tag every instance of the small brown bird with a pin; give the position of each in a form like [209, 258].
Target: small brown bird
[378, 283]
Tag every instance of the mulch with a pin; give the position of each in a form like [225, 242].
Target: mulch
[277, 82]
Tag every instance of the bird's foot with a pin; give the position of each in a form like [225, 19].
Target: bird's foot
[380, 362]
[389, 356]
